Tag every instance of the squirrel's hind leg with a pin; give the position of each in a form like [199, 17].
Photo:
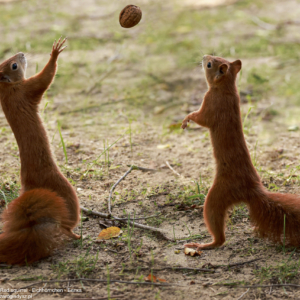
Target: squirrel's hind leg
[215, 209]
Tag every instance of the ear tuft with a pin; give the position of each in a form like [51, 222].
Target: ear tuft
[236, 65]
[223, 69]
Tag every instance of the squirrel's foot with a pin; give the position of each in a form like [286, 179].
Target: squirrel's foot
[201, 246]
[72, 235]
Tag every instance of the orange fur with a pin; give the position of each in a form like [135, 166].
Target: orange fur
[236, 178]
[48, 209]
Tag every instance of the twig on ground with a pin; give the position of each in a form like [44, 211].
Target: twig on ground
[100, 280]
[95, 213]
[111, 250]
[106, 216]
[141, 218]
[132, 167]
[114, 186]
[175, 172]
[240, 297]
[235, 264]
[146, 227]
[173, 268]
[260, 286]
[141, 168]
[241, 263]
[95, 85]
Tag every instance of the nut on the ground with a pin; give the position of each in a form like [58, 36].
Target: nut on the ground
[130, 16]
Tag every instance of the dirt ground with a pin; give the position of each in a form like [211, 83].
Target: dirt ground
[128, 90]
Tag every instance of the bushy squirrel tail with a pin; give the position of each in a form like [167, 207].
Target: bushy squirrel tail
[35, 224]
[277, 217]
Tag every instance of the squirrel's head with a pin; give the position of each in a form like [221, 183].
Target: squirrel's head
[219, 70]
[14, 68]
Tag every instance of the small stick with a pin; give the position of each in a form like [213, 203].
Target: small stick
[174, 269]
[142, 218]
[96, 213]
[114, 186]
[142, 169]
[235, 264]
[132, 167]
[106, 216]
[261, 286]
[138, 225]
[101, 280]
[241, 263]
[243, 294]
[175, 172]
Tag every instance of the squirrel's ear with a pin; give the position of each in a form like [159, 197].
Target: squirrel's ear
[223, 69]
[4, 78]
[236, 65]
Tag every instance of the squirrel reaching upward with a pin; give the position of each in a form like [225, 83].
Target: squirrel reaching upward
[273, 215]
[47, 210]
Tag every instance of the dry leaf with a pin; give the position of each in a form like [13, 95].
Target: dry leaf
[109, 233]
[159, 109]
[153, 278]
[163, 146]
[192, 252]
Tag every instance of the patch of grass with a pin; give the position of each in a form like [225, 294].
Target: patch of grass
[284, 272]
[81, 266]
[239, 213]
[8, 191]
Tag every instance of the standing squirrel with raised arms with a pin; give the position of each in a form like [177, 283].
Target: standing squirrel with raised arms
[236, 179]
[47, 210]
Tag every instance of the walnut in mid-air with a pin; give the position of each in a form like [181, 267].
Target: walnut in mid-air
[130, 16]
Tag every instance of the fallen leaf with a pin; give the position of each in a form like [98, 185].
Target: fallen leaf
[153, 278]
[159, 109]
[293, 128]
[163, 146]
[192, 252]
[175, 126]
[109, 233]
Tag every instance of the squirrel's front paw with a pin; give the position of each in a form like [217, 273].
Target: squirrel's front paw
[58, 47]
[184, 123]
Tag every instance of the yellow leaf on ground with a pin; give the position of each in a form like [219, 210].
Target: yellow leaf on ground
[163, 146]
[109, 233]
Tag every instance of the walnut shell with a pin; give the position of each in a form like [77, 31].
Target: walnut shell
[130, 16]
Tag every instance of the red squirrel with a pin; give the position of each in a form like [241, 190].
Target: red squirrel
[236, 179]
[47, 210]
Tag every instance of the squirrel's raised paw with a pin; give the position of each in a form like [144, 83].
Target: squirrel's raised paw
[58, 47]
[184, 124]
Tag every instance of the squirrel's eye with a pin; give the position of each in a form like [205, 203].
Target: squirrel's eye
[14, 66]
[209, 65]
